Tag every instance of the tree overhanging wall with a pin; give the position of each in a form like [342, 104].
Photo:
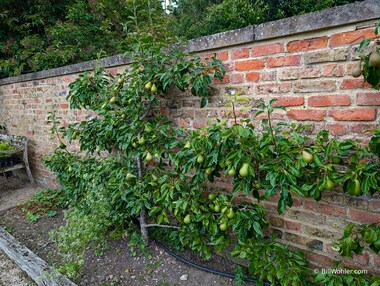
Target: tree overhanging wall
[305, 62]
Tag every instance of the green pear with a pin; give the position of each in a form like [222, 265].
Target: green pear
[244, 170]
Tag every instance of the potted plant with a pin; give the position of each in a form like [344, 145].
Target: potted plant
[8, 154]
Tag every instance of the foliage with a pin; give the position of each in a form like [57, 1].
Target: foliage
[279, 9]
[223, 16]
[345, 277]
[46, 201]
[205, 17]
[5, 146]
[85, 227]
[356, 237]
[37, 35]
[273, 262]
[275, 160]
[374, 143]
[368, 66]
[239, 276]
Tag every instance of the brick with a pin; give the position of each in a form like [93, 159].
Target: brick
[315, 86]
[326, 56]
[206, 55]
[357, 203]
[298, 239]
[284, 61]
[182, 122]
[319, 259]
[337, 223]
[359, 259]
[292, 225]
[267, 50]
[353, 37]
[376, 261]
[249, 65]
[374, 205]
[315, 244]
[290, 101]
[307, 45]
[332, 70]
[329, 100]
[337, 129]
[273, 88]
[288, 73]
[353, 114]
[368, 98]
[328, 209]
[229, 66]
[352, 83]
[223, 56]
[226, 79]
[240, 54]
[198, 123]
[268, 75]
[306, 114]
[360, 128]
[276, 221]
[364, 216]
[237, 78]
[64, 105]
[252, 76]
[321, 232]
[310, 72]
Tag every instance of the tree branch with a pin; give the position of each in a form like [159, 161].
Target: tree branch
[148, 109]
[160, 225]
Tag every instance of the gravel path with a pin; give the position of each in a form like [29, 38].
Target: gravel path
[11, 274]
[13, 191]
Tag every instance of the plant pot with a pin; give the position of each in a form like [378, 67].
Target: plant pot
[9, 161]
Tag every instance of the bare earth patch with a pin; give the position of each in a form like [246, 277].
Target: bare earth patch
[117, 266]
[14, 191]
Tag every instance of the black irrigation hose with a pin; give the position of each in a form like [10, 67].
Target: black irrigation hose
[184, 260]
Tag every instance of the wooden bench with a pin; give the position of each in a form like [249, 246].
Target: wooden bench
[21, 152]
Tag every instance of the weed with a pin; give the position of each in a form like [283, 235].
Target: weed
[152, 266]
[239, 276]
[32, 217]
[46, 201]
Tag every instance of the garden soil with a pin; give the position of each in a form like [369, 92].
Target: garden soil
[118, 266]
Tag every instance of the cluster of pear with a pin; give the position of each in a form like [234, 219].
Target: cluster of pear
[373, 61]
[149, 86]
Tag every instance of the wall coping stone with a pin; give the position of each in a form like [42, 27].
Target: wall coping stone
[324, 19]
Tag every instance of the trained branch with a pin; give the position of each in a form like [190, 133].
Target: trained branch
[160, 225]
[148, 109]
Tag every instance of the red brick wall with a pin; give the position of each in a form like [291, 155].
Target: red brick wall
[308, 73]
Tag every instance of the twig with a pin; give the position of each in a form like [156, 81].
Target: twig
[160, 225]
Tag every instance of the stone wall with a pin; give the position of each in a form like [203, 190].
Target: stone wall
[305, 62]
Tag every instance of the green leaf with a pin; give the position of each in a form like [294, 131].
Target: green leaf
[204, 102]
[364, 43]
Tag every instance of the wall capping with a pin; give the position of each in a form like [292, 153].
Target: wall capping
[332, 17]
